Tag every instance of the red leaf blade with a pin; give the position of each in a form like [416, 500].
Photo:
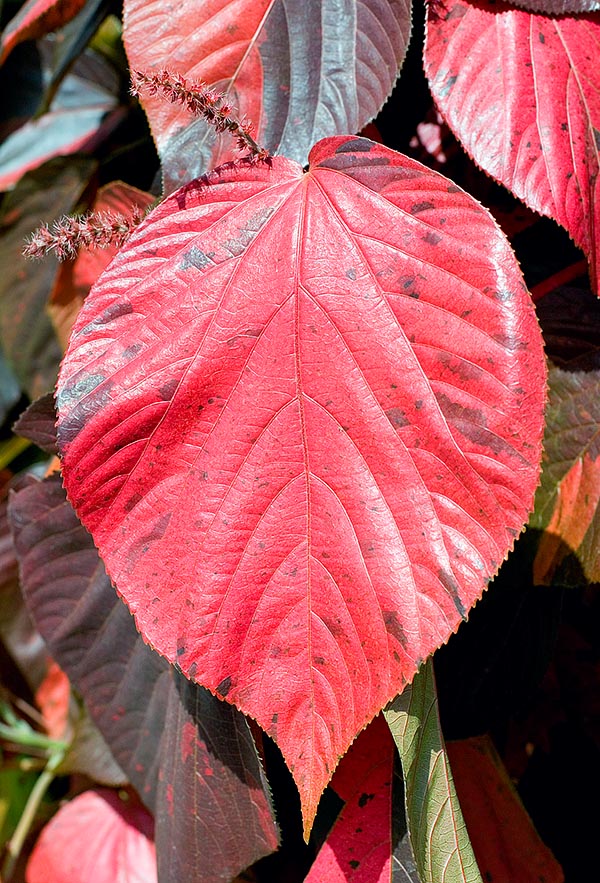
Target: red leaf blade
[522, 93]
[301, 415]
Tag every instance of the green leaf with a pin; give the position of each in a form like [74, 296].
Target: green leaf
[440, 843]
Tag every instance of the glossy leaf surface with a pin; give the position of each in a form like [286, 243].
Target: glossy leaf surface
[441, 846]
[95, 837]
[301, 479]
[359, 847]
[522, 93]
[297, 71]
[155, 728]
[567, 501]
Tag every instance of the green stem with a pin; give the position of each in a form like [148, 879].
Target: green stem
[15, 844]
[11, 449]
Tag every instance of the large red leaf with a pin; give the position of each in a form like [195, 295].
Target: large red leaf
[297, 71]
[522, 93]
[301, 416]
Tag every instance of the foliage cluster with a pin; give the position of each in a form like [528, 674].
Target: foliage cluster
[310, 260]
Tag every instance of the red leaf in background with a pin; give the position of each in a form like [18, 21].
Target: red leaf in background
[506, 845]
[359, 847]
[297, 71]
[75, 278]
[522, 93]
[95, 837]
[301, 416]
[36, 18]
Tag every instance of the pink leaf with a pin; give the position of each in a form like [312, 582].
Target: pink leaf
[301, 416]
[522, 93]
[95, 837]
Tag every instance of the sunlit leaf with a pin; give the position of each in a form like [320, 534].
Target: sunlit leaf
[297, 71]
[301, 479]
[359, 847]
[522, 93]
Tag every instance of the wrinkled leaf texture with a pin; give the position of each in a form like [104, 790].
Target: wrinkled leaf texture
[297, 71]
[172, 739]
[95, 836]
[522, 94]
[301, 416]
[36, 18]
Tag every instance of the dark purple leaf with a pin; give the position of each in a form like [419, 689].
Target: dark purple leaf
[133, 697]
[37, 423]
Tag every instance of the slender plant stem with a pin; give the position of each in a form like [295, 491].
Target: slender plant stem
[15, 844]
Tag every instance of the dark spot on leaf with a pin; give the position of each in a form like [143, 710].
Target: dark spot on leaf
[541, 37]
[355, 145]
[510, 342]
[318, 660]
[167, 389]
[351, 273]
[596, 138]
[451, 586]
[393, 627]
[131, 351]
[421, 207]
[418, 404]
[180, 651]
[432, 238]
[397, 417]
[415, 294]
[224, 687]
[354, 864]
[454, 411]
[195, 257]
[447, 86]
[121, 308]
[132, 502]
[364, 799]
[89, 395]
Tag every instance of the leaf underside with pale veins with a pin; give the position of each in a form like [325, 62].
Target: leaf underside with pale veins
[301, 416]
[297, 71]
[522, 94]
[191, 757]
